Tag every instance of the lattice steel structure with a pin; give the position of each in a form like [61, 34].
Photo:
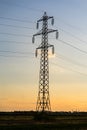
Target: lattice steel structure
[43, 100]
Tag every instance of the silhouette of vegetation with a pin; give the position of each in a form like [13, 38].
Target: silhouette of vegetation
[31, 120]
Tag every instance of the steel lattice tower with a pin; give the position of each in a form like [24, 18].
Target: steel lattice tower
[43, 100]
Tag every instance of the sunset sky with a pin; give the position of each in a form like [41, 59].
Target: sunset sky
[19, 68]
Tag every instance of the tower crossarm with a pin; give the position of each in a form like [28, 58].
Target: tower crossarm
[41, 33]
[51, 30]
[45, 17]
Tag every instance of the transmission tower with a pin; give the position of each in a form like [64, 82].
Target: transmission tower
[43, 100]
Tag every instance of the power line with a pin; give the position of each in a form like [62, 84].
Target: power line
[15, 19]
[22, 6]
[21, 42]
[59, 40]
[15, 56]
[13, 34]
[70, 69]
[76, 48]
[38, 10]
[30, 53]
[69, 25]
[17, 52]
[59, 56]
[70, 60]
[8, 25]
[73, 36]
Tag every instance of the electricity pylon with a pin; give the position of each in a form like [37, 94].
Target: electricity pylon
[43, 100]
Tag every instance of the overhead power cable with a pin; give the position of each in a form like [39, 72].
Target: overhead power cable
[70, 60]
[15, 26]
[70, 69]
[22, 6]
[73, 35]
[16, 56]
[14, 34]
[69, 25]
[15, 19]
[8, 51]
[18, 42]
[66, 43]
[76, 48]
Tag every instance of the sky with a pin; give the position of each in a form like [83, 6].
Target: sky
[19, 68]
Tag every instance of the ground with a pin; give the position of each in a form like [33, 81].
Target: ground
[43, 121]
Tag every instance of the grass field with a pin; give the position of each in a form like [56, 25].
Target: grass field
[43, 121]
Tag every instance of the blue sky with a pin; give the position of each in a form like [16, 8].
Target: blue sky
[19, 69]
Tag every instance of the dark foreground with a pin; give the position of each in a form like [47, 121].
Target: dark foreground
[43, 121]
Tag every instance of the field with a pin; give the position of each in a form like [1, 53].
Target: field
[43, 121]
